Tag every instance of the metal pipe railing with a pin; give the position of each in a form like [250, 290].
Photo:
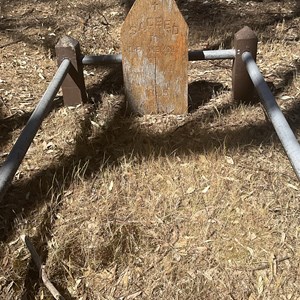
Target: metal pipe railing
[16, 155]
[281, 126]
[102, 59]
[211, 54]
[193, 56]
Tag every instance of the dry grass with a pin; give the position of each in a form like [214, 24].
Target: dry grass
[164, 222]
[155, 207]
[178, 227]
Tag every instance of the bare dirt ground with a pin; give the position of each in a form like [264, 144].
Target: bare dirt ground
[156, 207]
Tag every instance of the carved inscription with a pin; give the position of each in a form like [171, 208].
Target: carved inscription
[154, 24]
[154, 49]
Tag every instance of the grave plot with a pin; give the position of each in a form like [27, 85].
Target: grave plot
[152, 207]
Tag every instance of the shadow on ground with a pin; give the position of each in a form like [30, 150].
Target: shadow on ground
[121, 139]
[205, 19]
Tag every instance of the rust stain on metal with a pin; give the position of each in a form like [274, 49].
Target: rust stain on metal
[154, 47]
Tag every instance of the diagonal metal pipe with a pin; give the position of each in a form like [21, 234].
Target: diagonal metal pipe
[281, 126]
[16, 155]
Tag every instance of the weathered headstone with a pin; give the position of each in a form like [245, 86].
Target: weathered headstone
[154, 40]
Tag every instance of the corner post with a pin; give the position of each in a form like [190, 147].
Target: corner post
[73, 87]
[242, 86]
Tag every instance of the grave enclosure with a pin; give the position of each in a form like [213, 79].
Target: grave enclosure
[155, 66]
[155, 56]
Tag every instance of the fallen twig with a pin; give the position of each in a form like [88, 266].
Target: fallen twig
[9, 44]
[263, 266]
[42, 272]
[269, 265]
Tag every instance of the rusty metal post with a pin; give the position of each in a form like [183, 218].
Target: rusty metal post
[245, 40]
[73, 87]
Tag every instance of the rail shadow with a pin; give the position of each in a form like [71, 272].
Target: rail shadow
[15, 30]
[10, 124]
[205, 19]
[200, 92]
[18, 28]
[288, 77]
[123, 137]
[222, 20]
[112, 83]
[19, 120]
[120, 138]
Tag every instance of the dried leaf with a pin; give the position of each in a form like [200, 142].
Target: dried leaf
[292, 187]
[77, 282]
[285, 97]
[190, 190]
[260, 285]
[205, 190]
[251, 251]
[229, 160]
[208, 274]
[13, 242]
[181, 243]
[192, 274]
[134, 295]
[111, 185]
[95, 124]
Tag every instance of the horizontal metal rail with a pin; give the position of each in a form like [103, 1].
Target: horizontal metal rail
[102, 59]
[193, 56]
[16, 155]
[281, 126]
[211, 54]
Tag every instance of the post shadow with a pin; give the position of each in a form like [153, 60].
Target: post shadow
[200, 92]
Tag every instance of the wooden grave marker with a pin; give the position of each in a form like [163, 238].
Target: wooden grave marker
[154, 44]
